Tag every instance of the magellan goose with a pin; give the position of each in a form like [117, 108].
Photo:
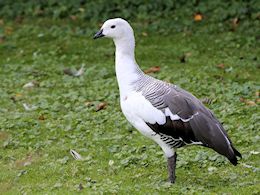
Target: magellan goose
[167, 114]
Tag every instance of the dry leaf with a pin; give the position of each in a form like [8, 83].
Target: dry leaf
[221, 66]
[198, 17]
[250, 103]
[1, 22]
[152, 69]
[41, 117]
[29, 108]
[31, 84]
[257, 94]
[75, 155]
[88, 103]
[101, 106]
[78, 73]
[247, 102]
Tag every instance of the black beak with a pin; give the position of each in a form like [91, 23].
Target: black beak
[99, 34]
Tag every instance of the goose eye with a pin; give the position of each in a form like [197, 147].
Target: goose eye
[113, 26]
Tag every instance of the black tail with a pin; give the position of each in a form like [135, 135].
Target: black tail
[234, 159]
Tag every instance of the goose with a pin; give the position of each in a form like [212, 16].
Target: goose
[161, 111]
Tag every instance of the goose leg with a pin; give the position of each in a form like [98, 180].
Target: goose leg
[171, 167]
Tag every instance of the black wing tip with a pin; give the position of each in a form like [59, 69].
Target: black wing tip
[237, 153]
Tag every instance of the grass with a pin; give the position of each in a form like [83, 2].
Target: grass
[35, 144]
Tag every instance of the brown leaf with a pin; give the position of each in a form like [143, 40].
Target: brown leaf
[101, 106]
[152, 69]
[257, 94]
[221, 66]
[1, 22]
[88, 103]
[248, 102]
[41, 117]
[198, 17]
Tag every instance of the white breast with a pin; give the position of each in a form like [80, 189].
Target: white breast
[138, 111]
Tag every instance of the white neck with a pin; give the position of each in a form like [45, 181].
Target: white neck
[126, 66]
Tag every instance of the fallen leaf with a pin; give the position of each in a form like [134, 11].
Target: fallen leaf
[89, 103]
[247, 102]
[198, 17]
[221, 66]
[152, 69]
[29, 108]
[257, 94]
[41, 117]
[254, 152]
[75, 155]
[30, 85]
[78, 73]
[250, 103]
[101, 106]
[1, 22]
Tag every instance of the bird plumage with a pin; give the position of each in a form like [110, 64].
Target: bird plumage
[169, 115]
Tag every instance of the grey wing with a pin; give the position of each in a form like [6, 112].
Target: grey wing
[190, 120]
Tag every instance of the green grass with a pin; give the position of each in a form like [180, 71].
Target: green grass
[35, 145]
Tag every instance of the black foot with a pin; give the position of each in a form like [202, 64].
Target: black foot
[171, 168]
